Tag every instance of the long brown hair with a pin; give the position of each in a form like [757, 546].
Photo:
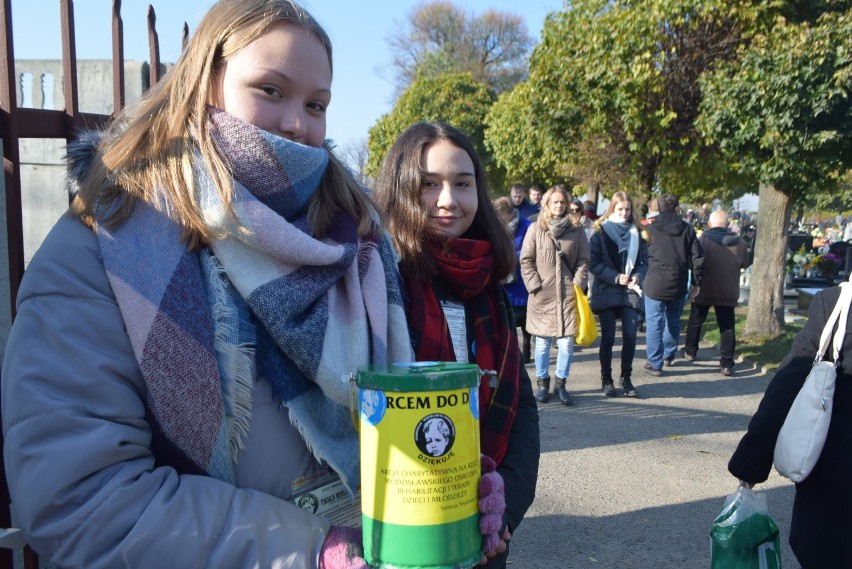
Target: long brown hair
[398, 191]
[147, 152]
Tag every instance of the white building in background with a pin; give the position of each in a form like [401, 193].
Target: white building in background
[40, 85]
[747, 203]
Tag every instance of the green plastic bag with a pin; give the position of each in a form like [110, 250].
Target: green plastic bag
[743, 534]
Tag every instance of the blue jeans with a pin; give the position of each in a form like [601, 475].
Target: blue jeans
[662, 329]
[565, 347]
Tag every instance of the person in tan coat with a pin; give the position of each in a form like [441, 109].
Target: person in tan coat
[554, 257]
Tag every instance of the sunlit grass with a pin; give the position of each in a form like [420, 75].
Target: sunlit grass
[764, 350]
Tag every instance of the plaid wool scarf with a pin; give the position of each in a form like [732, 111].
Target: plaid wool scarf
[323, 308]
[464, 267]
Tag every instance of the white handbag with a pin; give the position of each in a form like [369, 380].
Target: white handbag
[802, 436]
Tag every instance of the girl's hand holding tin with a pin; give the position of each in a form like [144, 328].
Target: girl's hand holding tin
[492, 505]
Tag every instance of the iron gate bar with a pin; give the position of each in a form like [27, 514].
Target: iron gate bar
[17, 123]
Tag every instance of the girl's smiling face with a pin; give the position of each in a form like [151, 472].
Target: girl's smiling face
[280, 82]
[448, 189]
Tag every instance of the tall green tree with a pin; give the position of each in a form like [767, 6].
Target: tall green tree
[615, 84]
[440, 37]
[782, 113]
[455, 98]
[520, 144]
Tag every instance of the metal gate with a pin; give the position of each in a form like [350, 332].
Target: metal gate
[18, 123]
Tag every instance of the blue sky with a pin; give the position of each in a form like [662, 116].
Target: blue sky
[358, 30]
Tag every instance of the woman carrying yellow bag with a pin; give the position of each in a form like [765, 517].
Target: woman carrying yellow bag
[619, 261]
[587, 329]
[554, 258]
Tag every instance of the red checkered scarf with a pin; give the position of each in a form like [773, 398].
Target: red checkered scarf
[465, 267]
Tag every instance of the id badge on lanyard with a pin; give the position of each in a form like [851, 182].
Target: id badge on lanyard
[454, 313]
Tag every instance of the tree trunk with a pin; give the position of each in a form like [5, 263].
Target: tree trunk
[594, 192]
[766, 298]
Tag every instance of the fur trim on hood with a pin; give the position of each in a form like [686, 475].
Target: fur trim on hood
[80, 153]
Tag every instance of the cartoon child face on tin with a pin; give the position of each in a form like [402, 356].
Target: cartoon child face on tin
[437, 434]
[373, 405]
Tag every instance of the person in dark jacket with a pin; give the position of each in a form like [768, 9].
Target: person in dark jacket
[519, 199]
[821, 524]
[724, 255]
[517, 227]
[536, 193]
[674, 251]
[619, 261]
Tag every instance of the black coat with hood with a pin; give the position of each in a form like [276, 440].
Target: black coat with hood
[673, 252]
[607, 264]
[724, 255]
[821, 523]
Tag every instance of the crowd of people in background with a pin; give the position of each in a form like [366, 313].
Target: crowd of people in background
[637, 271]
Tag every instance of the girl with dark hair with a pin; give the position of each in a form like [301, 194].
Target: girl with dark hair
[619, 253]
[454, 251]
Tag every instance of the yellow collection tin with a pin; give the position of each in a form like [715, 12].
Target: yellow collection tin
[420, 466]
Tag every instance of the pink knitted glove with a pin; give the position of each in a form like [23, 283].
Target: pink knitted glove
[492, 504]
[343, 549]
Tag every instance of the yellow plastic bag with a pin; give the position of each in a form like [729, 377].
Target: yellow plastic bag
[587, 329]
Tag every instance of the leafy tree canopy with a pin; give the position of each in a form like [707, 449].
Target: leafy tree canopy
[620, 80]
[783, 112]
[454, 98]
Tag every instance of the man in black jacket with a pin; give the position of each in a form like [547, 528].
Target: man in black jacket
[673, 252]
[724, 255]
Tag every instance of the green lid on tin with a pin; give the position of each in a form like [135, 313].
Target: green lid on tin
[418, 376]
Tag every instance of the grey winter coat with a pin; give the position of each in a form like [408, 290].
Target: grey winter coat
[550, 269]
[86, 486]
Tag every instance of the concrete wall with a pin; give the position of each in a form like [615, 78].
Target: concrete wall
[94, 83]
[40, 85]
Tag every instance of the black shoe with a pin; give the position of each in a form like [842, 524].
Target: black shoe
[609, 388]
[670, 361]
[727, 371]
[628, 388]
[651, 370]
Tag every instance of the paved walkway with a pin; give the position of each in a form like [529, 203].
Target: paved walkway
[636, 482]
